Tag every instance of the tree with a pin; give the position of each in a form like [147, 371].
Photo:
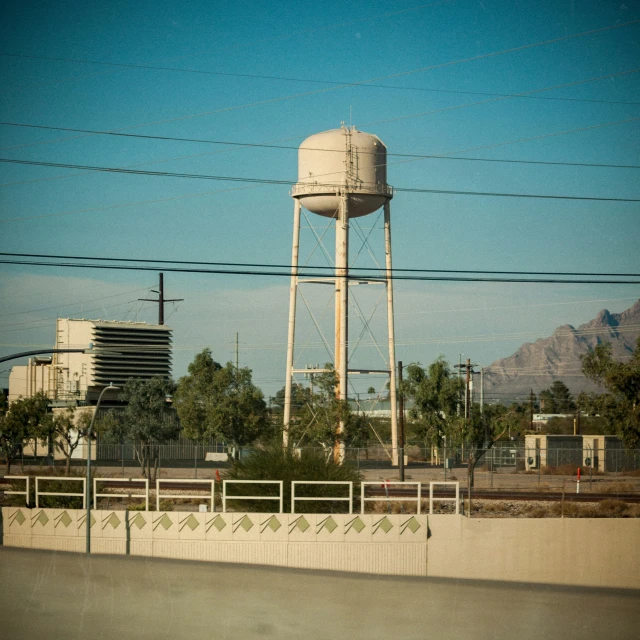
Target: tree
[321, 411]
[146, 420]
[25, 419]
[436, 394]
[620, 407]
[67, 431]
[484, 427]
[557, 399]
[222, 402]
[275, 462]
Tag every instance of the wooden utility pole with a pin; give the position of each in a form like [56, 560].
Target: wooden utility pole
[160, 300]
[532, 397]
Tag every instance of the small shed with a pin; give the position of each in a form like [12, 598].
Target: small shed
[552, 451]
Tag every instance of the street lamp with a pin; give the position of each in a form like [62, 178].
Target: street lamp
[88, 488]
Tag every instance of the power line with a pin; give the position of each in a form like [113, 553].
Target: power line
[289, 266]
[287, 274]
[341, 83]
[200, 176]
[395, 75]
[296, 148]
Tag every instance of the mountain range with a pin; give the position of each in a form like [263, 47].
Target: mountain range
[535, 365]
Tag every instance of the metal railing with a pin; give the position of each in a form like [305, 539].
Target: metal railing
[295, 498]
[225, 497]
[456, 498]
[128, 483]
[174, 496]
[68, 494]
[388, 498]
[24, 493]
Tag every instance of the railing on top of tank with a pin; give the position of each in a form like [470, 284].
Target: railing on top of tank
[304, 188]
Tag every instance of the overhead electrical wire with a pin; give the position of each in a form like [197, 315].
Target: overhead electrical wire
[386, 77]
[200, 176]
[289, 266]
[413, 159]
[302, 273]
[342, 83]
[296, 148]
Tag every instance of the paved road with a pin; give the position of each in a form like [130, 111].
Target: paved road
[55, 595]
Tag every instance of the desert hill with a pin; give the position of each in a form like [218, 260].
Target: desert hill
[535, 365]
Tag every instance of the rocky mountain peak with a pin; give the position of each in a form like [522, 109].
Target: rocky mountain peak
[536, 365]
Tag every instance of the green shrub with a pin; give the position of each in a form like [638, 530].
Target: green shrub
[277, 463]
[56, 484]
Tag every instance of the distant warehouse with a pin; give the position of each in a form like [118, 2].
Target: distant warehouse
[115, 352]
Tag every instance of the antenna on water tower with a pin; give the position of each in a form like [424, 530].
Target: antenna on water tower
[342, 174]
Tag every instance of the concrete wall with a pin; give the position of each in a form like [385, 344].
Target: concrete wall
[602, 552]
[589, 552]
[379, 544]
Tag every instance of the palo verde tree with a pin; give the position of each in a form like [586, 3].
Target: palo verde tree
[146, 421]
[25, 419]
[319, 413]
[221, 402]
[481, 430]
[620, 407]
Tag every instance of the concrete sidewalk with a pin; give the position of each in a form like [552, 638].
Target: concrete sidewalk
[63, 596]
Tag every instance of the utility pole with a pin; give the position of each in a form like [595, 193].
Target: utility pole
[531, 399]
[468, 366]
[237, 353]
[400, 424]
[459, 374]
[161, 299]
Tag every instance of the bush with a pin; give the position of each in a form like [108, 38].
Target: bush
[276, 463]
[56, 484]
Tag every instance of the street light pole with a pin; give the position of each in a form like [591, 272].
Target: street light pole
[88, 488]
[400, 424]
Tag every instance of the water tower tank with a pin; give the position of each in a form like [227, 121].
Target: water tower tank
[342, 161]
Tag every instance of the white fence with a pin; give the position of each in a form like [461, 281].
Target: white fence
[226, 497]
[169, 489]
[39, 493]
[295, 498]
[182, 496]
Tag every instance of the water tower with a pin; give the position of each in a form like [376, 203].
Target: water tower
[342, 174]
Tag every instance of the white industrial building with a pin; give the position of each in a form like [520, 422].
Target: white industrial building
[112, 352]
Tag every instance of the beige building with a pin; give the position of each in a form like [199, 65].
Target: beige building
[115, 352]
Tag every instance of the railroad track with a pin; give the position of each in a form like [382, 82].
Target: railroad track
[486, 494]
[395, 493]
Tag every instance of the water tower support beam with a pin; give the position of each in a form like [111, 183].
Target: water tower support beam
[391, 334]
[342, 327]
[293, 294]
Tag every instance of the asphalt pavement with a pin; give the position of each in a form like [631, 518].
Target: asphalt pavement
[54, 595]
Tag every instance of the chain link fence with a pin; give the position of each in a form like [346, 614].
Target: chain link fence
[508, 466]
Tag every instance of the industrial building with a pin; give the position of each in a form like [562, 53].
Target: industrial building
[604, 453]
[106, 352]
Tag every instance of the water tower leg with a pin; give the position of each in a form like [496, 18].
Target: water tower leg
[293, 294]
[342, 326]
[391, 333]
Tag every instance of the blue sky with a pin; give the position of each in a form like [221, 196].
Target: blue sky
[64, 211]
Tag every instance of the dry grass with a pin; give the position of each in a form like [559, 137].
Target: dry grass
[616, 487]
[563, 470]
[604, 509]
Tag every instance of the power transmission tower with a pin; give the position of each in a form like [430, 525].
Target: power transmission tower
[161, 300]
